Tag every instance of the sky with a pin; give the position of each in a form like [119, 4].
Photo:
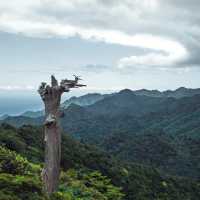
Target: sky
[111, 44]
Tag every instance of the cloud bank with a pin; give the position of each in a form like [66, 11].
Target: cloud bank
[167, 30]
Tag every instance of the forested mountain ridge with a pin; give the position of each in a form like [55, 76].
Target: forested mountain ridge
[178, 93]
[127, 103]
[166, 127]
[176, 156]
[91, 98]
[88, 173]
[84, 100]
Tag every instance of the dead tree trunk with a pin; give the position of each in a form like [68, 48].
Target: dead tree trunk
[51, 96]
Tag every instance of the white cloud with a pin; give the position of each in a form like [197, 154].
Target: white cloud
[128, 23]
[153, 59]
[172, 51]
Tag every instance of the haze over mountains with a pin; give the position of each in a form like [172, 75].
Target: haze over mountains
[16, 102]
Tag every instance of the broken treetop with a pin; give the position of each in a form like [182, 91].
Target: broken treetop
[64, 86]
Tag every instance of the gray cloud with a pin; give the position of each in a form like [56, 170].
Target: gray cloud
[168, 30]
[172, 19]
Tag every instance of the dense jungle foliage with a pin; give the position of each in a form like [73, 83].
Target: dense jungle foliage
[88, 173]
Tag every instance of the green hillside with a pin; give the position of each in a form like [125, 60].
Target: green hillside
[88, 173]
[157, 132]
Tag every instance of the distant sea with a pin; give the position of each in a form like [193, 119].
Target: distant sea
[15, 103]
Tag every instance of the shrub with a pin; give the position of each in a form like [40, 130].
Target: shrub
[16, 187]
[13, 163]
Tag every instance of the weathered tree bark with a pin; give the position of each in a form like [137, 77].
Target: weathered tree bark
[51, 96]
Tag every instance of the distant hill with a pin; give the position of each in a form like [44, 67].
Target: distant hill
[178, 93]
[33, 114]
[125, 111]
[18, 121]
[165, 127]
[126, 102]
[92, 98]
[84, 100]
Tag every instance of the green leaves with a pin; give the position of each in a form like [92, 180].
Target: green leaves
[88, 185]
[90, 174]
[20, 187]
[12, 163]
[20, 179]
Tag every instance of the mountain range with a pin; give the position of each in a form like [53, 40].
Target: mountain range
[92, 98]
[159, 131]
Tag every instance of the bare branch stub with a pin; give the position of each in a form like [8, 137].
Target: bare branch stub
[51, 96]
[65, 86]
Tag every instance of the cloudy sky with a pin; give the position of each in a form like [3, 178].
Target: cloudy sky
[112, 44]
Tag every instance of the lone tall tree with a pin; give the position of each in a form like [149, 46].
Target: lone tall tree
[51, 96]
